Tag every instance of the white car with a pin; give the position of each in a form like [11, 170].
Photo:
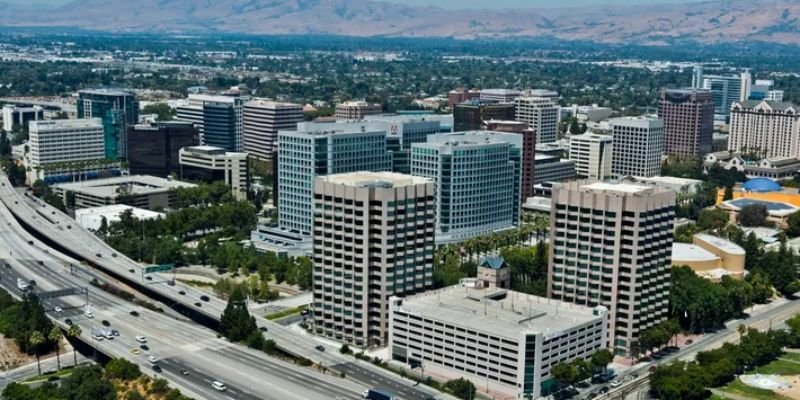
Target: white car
[219, 386]
[152, 359]
[88, 314]
[616, 383]
[141, 339]
[58, 309]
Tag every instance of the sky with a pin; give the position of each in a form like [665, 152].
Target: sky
[458, 4]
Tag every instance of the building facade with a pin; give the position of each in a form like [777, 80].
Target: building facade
[356, 110]
[505, 341]
[142, 191]
[217, 118]
[592, 155]
[541, 114]
[401, 132]
[611, 245]
[725, 89]
[472, 114]
[261, 121]
[118, 109]
[688, 117]
[212, 164]
[765, 128]
[478, 182]
[314, 151]
[500, 95]
[458, 96]
[17, 117]
[153, 148]
[638, 143]
[373, 239]
[528, 150]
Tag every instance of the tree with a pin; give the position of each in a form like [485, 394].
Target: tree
[728, 194]
[793, 223]
[564, 373]
[715, 218]
[345, 349]
[54, 336]
[162, 110]
[236, 323]
[120, 368]
[37, 339]
[753, 215]
[461, 388]
[600, 359]
[74, 331]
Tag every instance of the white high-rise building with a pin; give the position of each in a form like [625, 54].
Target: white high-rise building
[62, 147]
[767, 128]
[592, 155]
[261, 121]
[217, 118]
[541, 114]
[611, 245]
[638, 143]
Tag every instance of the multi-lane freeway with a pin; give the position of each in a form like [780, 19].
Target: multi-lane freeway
[64, 233]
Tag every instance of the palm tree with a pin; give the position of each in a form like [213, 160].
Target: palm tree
[73, 332]
[35, 340]
[55, 336]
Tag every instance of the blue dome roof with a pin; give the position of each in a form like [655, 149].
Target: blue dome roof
[761, 185]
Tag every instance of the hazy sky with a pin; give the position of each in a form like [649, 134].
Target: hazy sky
[463, 3]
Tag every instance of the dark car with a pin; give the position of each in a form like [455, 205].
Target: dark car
[114, 332]
[144, 347]
[204, 298]
[198, 304]
[98, 255]
[30, 242]
[105, 322]
[68, 322]
[131, 270]
[157, 368]
[182, 292]
[320, 348]
[149, 278]
[603, 389]
[171, 282]
[135, 313]
[263, 328]
[32, 282]
[114, 255]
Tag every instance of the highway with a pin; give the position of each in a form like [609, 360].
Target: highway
[178, 346]
[60, 228]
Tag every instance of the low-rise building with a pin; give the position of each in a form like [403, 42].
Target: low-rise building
[92, 218]
[209, 164]
[503, 340]
[777, 168]
[710, 257]
[142, 191]
[777, 212]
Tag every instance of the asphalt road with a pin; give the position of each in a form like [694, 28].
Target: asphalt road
[64, 230]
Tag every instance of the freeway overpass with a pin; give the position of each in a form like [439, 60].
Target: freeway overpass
[69, 108]
[249, 374]
[64, 234]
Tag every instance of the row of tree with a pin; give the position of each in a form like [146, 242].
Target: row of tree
[580, 369]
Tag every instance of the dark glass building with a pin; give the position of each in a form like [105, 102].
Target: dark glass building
[471, 115]
[688, 116]
[118, 109]
[153, 149]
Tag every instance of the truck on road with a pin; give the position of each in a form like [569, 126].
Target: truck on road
[374, 394]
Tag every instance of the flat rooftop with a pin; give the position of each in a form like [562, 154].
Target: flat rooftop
[374, 179]
[720, 243]
[774, 208]
[138, 185]
[616, 187]
[690, 252]
[498, 311]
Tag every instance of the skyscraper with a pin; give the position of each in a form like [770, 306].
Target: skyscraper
[118, 109]
[638, 144]
[63, 149]
[725, 89]
[153, 149]
[592, 155]
[611, 245]
[477, 177]
[541, 114]
[688, 116]
[218, 119]
[317, 150]
[357, 109]
[528, 151]
[373, 239]
[765, 128]
[261, 121]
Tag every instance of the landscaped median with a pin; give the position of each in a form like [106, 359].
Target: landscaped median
[285, 313]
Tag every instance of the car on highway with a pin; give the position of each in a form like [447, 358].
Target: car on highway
[198, 304]
[114, 332]
[157, 368]
[135, 352]
[217, 385]
[105, 322]
[141, 339]
[615, 383]
[320, 348]
[144, 347]
[603, 390]
[149, 278]
[263, 328]
[88, 314]
[98, 255]
[68, 322]
[8, 266]
[58, 309]
[204, 298]
[184, 372]
[305, 311]
[183, 293]
[152, 359]
[114, 255]
[134, 313]
[131, 270]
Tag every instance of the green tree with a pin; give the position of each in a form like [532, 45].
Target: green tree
[461, 388]
[54, 336]
[715, 218]
[345, 349]
[793, 223]
[236, 323]
[36, 340]
[600, 359]
[74, 331]
[728, 194]
[753, 215]
[564, 373]
[120, 368]
[162, 110]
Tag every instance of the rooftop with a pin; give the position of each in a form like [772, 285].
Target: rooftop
[627, 188]
[720, 243]
[774, 208]
[384, 180]
[114, 210]
[108, 92]
[498, 311]
[137, 184]
[264, 103]
[65, 123]
[669, 180]
[691, 252]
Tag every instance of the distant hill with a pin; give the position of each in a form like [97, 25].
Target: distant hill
[709, 22]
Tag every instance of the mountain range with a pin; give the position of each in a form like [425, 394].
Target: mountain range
[715, 21]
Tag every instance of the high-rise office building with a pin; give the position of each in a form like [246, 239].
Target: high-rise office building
[500, 95]
[765, 128]
[322, 149]
[118, 109]
[153, 148]
[211, 164]
[688, 116]
[592, 155]
[357, 109]
[458, 96]
[261, 121]
[638, 143]
[477, 177]
[65, 148]
[541, 114]
[471, 115]
[362, 256]
[528, 150]
[218, 119]
[401, 132]
[17, 117]
[725, 89]
[611, 245]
